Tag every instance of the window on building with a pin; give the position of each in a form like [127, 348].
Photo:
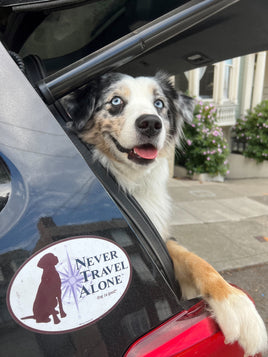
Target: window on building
[227, 78]
[206, 75]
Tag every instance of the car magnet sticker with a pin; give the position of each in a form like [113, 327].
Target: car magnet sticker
[69, 284]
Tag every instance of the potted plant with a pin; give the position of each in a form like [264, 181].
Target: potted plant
[204, 149]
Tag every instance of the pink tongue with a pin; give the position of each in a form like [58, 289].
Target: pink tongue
[146, 152]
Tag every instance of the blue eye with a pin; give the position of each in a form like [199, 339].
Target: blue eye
[159, 104]
[116, 101]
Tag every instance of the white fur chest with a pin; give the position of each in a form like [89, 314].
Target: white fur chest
[149, 187]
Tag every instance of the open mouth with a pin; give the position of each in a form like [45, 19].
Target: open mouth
[141, 154]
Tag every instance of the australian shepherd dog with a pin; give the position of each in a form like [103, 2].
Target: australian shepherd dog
[131, 123]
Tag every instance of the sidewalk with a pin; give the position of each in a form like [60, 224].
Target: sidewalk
[224, 223]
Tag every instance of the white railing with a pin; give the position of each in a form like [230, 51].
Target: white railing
[226, 114]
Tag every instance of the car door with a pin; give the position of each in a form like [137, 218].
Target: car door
[53, 205]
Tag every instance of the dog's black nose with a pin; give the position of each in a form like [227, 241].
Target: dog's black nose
[149, 125]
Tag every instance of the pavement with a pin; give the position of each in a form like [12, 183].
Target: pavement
[224, 223]
[253, 280]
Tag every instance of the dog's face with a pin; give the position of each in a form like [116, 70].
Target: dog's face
[129, 119]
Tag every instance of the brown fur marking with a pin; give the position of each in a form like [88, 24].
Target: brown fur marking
[191, 268]
[121, 91]
[94, 134]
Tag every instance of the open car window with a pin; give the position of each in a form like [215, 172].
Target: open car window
[63, 35]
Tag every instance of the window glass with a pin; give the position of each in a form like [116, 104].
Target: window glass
[181, 82]
[5, 184]
[68, 30]
[206, 76]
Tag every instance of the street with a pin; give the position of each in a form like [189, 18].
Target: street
[227, 225]
[254, 280]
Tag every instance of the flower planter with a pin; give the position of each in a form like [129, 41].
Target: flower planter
[181, 172]
[242, 167]
[209, 178]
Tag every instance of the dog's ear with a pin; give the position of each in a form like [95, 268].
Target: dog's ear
[80, 106]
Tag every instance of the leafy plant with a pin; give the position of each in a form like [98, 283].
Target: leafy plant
[252, 131]
[205, 149]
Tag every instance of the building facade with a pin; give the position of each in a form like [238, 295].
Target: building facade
[234, 86]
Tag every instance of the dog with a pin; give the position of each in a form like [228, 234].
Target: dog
[131, 124]
[48, 295]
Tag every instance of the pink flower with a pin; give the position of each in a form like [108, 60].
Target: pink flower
[208, 158]
[189, 142]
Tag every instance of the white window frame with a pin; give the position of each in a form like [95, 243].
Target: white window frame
[218, 87]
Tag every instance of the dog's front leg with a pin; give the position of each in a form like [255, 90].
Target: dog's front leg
[232, 309]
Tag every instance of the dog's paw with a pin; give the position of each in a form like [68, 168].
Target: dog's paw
[240, 321]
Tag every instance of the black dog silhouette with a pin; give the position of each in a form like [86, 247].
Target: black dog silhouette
[49, 292]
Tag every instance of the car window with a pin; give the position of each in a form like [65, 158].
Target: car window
[5, 184]
[65, 35]
[69, 30]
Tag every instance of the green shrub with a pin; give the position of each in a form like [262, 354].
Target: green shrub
[204, 149]
[252, 131]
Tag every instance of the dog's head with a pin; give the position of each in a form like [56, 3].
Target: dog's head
[129, 119]
[48, 261]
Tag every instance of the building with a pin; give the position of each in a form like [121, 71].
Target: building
[233, 86]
